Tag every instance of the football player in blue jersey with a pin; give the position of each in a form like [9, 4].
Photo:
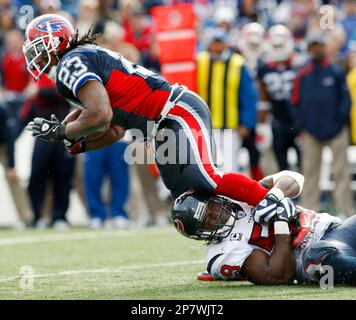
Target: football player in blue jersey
[117, 95]
[276, 78]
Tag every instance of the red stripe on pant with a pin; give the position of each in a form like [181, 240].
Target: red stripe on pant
[203, 146]
[232, 184]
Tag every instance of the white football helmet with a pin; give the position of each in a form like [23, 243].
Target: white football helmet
[252, 39]
[280, 43]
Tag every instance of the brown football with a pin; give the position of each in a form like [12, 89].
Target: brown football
[72, 116]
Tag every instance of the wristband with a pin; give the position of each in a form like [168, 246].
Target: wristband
[79, 147]
[278, 193]
[281, 227]
[299, 178]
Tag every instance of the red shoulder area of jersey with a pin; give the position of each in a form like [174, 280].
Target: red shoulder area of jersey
[132, 93]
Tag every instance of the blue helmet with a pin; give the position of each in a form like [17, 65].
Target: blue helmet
[203, 217]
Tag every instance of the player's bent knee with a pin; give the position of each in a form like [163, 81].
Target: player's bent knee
[320, 250]
[197, 182]
[315, 256]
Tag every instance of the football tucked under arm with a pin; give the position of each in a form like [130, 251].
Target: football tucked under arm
[74, 115]
[101, 138]
[104, 139]
[96, 112]
[97, 135]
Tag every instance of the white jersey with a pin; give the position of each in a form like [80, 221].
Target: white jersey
[225, 259]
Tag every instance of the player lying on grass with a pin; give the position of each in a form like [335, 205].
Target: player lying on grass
[273, 243]
[117, 95]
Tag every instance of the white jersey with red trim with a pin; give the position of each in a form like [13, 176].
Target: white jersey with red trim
[225, 259]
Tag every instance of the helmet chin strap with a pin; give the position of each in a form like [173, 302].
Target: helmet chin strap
[52, 73]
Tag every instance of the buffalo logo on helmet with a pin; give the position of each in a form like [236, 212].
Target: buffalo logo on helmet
[180, 227]
[55, 24]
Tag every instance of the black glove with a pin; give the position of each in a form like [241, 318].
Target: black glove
[47, 130]
[75, 146]
[286, 211]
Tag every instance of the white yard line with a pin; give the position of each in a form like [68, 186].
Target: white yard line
[108, 270]
[72, 236]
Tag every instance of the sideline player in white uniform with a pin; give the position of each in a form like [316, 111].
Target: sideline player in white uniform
[274, 243]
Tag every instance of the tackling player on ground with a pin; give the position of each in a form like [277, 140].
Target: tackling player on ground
[271, 244]
[118, 94]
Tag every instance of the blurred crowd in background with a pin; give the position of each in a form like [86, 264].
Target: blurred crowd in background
[296, 89]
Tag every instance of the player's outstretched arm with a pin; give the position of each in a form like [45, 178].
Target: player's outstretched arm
[276, 269]
[97, 111]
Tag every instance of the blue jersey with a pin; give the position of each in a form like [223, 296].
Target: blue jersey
[136, 94]
[278, 81]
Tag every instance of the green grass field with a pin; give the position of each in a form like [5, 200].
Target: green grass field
[131, 264]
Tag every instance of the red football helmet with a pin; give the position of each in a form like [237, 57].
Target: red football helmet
[45, 34]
